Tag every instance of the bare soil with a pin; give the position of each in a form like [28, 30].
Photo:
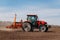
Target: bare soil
[52, 34]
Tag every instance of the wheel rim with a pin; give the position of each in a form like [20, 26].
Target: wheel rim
[43, 28]
[26, 27]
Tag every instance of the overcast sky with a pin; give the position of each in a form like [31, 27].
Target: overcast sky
[48, 10]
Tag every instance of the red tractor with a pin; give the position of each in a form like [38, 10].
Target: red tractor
[33, 22]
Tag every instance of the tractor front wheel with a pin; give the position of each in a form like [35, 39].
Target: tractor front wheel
[43, 28]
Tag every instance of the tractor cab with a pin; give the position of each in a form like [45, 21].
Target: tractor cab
[32, 18]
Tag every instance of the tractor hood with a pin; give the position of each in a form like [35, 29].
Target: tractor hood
[42, 22]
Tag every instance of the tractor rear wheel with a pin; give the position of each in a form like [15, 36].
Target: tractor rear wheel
[27, 27]
[43, 28]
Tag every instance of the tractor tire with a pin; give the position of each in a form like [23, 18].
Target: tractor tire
[27, 27]
[43, 28]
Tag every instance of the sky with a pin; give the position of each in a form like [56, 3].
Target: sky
[47, 10]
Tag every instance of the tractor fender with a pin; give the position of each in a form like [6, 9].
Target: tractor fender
[26, 21]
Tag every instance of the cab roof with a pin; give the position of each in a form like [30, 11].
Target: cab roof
[31, 15]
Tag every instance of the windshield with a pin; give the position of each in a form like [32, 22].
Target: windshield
[32, 18]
